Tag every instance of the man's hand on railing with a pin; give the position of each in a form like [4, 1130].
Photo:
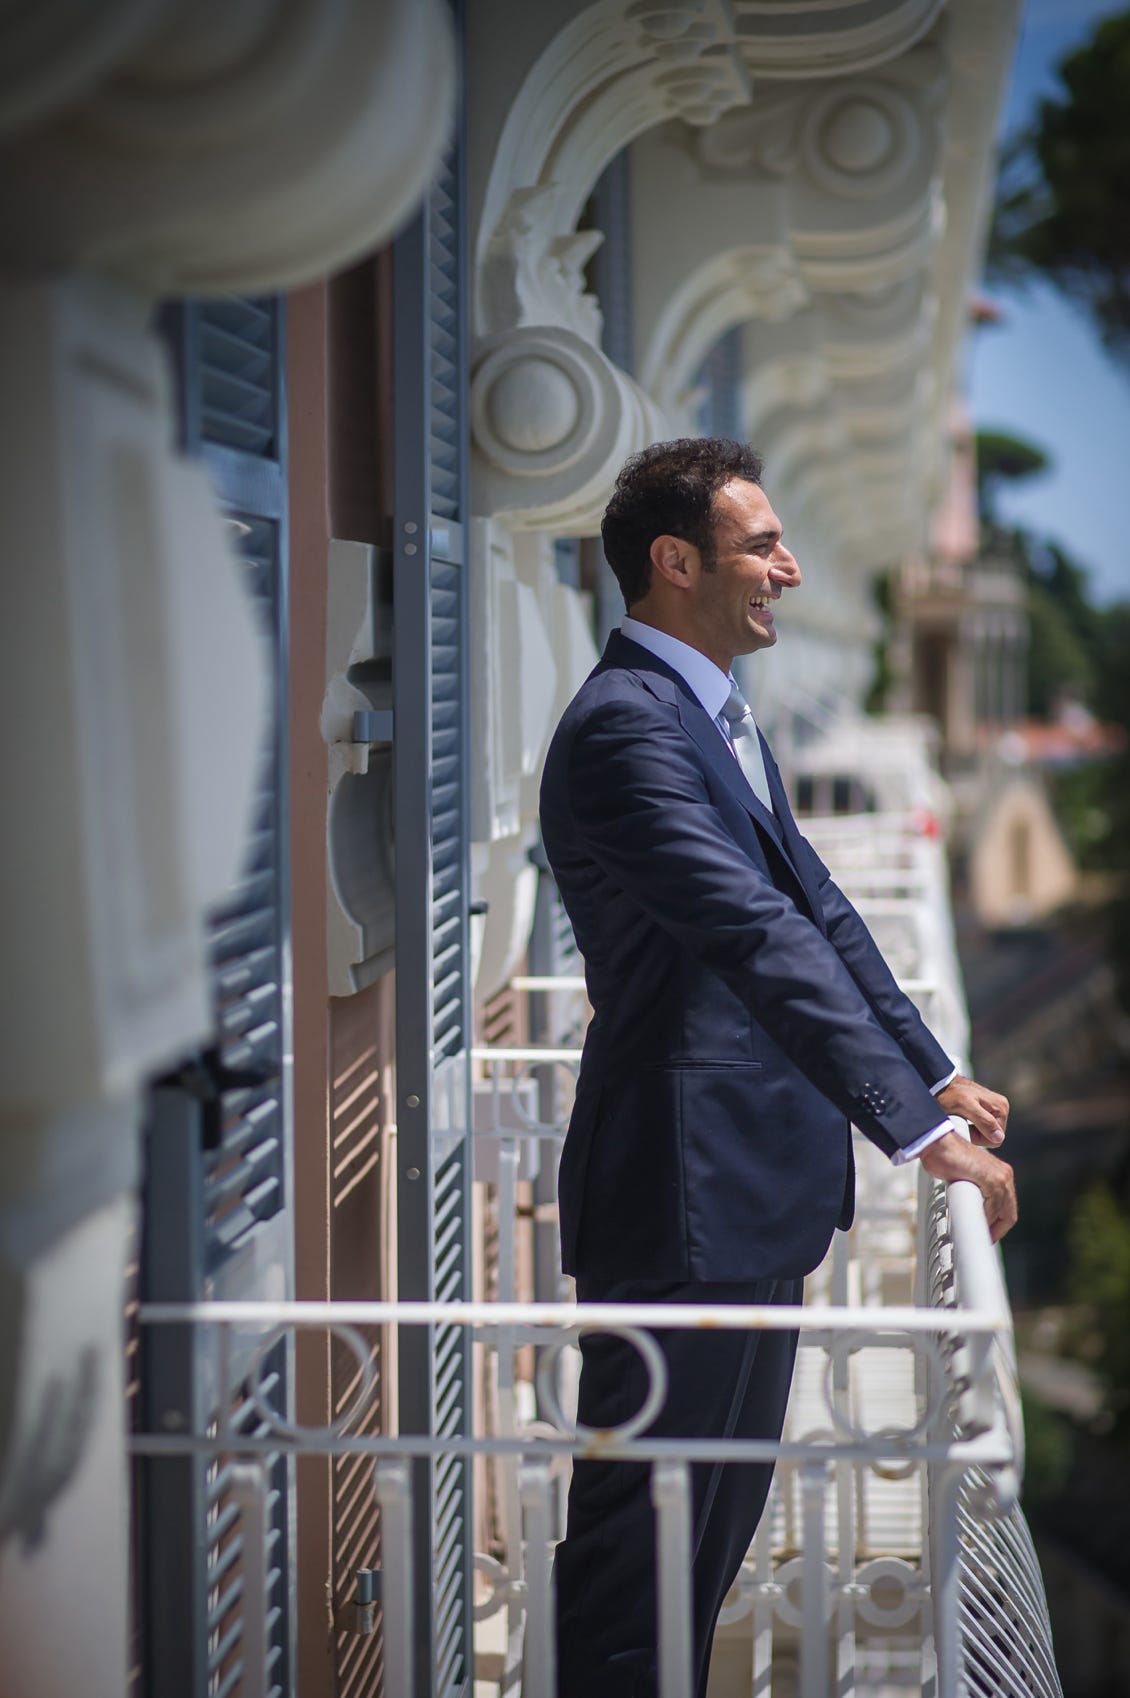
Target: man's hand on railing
[952, 1157]
[985, 1110]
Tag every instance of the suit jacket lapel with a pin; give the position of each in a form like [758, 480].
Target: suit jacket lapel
[779, 827]
[698, 723]
[790, 832]
[706, 734]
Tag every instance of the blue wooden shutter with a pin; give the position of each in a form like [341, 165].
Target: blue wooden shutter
[720, 376]
[610, 210]
[217, 1202]
[433, 1010]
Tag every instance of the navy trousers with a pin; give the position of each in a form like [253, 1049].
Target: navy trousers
[732, 1384]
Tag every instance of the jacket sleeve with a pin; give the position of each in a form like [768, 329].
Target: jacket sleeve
[891, 1006]
[641, 808]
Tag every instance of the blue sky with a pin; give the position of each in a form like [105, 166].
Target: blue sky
[1043, 373]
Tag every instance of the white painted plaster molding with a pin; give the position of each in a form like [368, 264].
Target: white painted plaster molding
[832, 198]
[569, 89]
[513, 684]
[845, 169]
[980, 38]
[827, 38]
[736, 285]
[134, 682]
[830, 189]
[504, 877]
[192, 149]
[587, 84]
[552, 421]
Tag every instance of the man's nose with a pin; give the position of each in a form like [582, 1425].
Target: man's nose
[784, 570]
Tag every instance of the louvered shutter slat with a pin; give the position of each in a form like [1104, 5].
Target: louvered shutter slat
[229, 357]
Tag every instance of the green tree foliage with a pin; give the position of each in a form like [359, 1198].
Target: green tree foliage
[1112, 703]
[1058, 662]
[1062, 624]
[1048, 1450]
[1110, 699]
[1075, 649]
[1063, 630]
[1083, 651]
[1079, 652]
[882, 594]
[1099, 1239]
[1112, 655]
[1003, 458]
[1065, 186]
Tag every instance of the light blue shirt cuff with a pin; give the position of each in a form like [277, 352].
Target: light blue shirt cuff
[913, 1151]
[901, 1157]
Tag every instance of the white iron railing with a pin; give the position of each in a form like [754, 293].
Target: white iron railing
[893, 1555]
[967, 1427]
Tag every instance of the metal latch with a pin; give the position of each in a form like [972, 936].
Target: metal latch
[205, 1078]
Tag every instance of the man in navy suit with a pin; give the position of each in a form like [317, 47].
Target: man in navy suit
[743, 1018]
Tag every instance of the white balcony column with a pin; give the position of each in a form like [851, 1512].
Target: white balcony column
[147, 148]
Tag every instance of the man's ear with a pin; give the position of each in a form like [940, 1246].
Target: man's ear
[674, 560]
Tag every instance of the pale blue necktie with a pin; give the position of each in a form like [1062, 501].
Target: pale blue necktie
[746, 744]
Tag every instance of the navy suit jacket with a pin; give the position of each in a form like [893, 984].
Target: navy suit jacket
[742, 1014]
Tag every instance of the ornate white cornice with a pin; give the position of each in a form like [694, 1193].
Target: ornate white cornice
[577, 87]
[825, 191]
[733, 287]
[593, 84]
[189, 149]
[851, 162]
[839, 184]
[827, 38]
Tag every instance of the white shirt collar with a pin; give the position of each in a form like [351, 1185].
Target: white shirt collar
[709, 683]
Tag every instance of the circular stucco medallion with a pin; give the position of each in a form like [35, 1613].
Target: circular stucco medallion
[532, 405]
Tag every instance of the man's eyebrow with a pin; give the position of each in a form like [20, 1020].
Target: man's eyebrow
[761, 536]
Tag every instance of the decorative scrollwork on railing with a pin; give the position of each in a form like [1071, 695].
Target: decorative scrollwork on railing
[277, 1423]
[841, 1347]
[653, 1361]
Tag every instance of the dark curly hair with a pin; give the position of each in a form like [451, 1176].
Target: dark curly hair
[669, 489]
